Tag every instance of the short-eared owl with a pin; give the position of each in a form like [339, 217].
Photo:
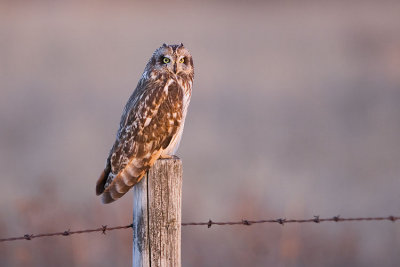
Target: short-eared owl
[152, 121]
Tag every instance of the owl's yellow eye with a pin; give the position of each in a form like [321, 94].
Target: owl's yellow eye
[182, 60]
[166, 60]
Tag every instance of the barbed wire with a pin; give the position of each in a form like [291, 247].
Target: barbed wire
[281, 221]
[104, 228]
[68, 232]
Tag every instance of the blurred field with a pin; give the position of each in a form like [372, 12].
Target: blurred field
[295, 112]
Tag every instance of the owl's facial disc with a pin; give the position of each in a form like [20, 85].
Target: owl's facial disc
[174, 59]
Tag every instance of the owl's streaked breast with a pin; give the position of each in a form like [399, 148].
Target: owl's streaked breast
[186, 88]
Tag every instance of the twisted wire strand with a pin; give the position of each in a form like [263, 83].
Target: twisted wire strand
[104, 228]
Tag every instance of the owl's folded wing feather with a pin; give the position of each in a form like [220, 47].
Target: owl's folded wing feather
[151, 118]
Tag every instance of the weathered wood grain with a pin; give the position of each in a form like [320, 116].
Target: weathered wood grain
[157, 216]
[140, 225]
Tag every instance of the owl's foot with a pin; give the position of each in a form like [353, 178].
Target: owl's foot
[169, 157]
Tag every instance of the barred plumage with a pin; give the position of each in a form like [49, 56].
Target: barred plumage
[152, 121]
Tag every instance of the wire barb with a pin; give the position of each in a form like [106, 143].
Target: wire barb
[66, 232]
[280, 221]
[28, 237]
[246, 222]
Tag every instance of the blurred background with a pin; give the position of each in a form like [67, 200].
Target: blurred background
[295, 112]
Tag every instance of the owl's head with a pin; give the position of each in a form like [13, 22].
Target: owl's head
[174, 59]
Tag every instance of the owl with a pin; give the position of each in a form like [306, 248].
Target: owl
[152, 121]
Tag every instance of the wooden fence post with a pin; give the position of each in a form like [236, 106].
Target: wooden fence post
[157, 216]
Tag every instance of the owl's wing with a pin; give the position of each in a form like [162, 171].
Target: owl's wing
[150, 120]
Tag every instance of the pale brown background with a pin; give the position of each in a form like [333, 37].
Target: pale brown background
[295, 112]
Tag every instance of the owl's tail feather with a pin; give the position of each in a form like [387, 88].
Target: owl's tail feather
[125, 179]
[101, 182]
[121, 183]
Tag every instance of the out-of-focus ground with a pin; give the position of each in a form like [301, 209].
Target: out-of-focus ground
[295, 112]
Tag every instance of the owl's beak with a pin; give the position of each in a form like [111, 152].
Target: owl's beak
[175, 67]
